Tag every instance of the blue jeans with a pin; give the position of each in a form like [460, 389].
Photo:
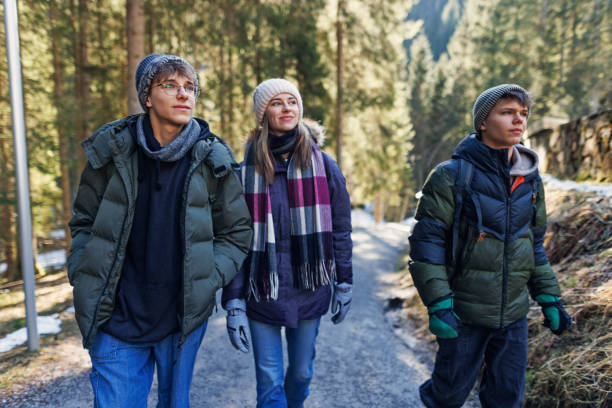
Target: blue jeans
[269, 372]
[122, 373]
[458, 363]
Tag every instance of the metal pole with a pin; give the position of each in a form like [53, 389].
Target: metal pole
[21, 169]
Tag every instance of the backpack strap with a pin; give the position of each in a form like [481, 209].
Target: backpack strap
[465, 172]
[211, 183]
[535, 183]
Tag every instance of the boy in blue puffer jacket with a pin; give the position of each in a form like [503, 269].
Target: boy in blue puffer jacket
[476, 255]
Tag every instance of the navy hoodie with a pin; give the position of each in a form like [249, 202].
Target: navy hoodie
[148, 305]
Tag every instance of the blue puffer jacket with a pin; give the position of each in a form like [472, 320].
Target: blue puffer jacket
[501, 232]
[294, 304]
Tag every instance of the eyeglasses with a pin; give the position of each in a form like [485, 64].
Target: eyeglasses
[172, 89]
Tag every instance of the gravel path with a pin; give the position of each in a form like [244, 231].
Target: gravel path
[359, 363]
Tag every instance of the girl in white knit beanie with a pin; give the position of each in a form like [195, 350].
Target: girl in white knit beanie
[301, 248]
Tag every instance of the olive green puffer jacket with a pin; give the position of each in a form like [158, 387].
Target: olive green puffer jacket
[499, 254]
[217, 231]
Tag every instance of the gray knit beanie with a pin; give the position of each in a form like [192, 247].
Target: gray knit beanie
[487, 100]
[269, 89]
[148, 68]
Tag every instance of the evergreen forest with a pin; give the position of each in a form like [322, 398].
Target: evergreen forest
[392, 81]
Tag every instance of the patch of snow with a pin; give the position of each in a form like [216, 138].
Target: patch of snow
[58, 234]
[361, 218]
[69, 310]
[409, 222]
[47, 260]
[584, 187]
[52, 260]
[46, 325]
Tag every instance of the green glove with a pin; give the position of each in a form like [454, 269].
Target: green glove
[443, 322]
[555, 316]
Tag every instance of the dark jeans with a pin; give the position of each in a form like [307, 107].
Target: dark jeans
[458, 363]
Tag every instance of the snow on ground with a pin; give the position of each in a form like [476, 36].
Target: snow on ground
[58, 234]
[583, 187]
[410, 221]
[52, 259]
[362, 218]
[46, 325]
[55, 260]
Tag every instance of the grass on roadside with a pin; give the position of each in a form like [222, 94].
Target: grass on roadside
[19, 368]
[53, 295]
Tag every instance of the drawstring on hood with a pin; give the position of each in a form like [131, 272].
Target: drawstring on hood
[158, 185]
[142, 169]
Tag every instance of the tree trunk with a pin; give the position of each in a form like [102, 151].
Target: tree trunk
[7, 209]
[104, 111]
[379, 209]
[63, 140]
[82, 76]
[562, 43]
[150, 27]
[339, 79]
[230, 95]
[135, 48]
[258, 23]
[221, 94]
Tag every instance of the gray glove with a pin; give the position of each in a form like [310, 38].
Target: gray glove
[238, 324]
[341, 303]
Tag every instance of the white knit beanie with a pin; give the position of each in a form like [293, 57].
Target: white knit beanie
[267, 90]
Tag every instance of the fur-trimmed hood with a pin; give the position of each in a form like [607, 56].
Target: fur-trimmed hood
[316, 131]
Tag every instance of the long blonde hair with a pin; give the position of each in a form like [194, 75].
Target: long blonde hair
[264, 159]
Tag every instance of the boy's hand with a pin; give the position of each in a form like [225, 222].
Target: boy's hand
[555, 316]
[443, 322]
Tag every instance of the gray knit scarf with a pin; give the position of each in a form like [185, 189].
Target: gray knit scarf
[177, 148]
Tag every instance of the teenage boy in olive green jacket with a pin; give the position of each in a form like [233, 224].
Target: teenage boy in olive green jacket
[160, 223]
[477, 254]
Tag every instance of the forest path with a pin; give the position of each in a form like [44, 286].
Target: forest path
[359, 363]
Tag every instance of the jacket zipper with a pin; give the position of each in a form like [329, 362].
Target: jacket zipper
[505, 263]
[110, 273]
[184, 241]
